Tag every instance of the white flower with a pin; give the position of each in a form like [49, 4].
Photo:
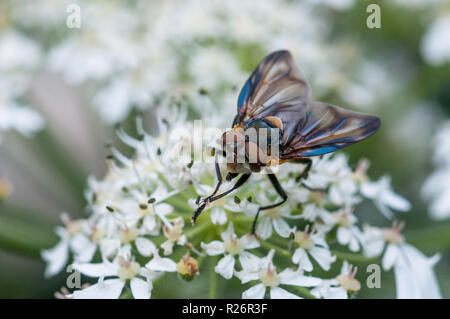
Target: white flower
[414, 274]
[328, 170]
[160, 264]
[263, 270]
[435, 45]
[323, 219]
[272, 219]
[314, 244]
[231, 247]
[338, 287]
[437, 185]
[384, 197]
[347, 232]
[17, 52]
[437, 188]
[218, 209]
[211, 67]
[122, 269]
[15, 115]
[174, 235]
[72, 239]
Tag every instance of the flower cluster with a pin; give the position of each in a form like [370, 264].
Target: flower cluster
[128, 55]
[138, 228]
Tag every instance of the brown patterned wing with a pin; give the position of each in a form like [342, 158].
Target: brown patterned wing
[322, 128]
[276, 85]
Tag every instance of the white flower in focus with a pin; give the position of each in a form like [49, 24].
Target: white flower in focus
[339, 287]
[323, 220]
[348, 234]
[123, 270]
[218, 209]
[327, 170]
[384, 197]
[231, 247]
[274, 218]
[263, 270]
[174, 235]
[312, 244]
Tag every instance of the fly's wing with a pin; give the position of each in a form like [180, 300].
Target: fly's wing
[323, 128]
[275, 86]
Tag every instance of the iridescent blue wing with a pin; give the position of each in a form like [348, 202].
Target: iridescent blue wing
[276, 85]
[321, 128]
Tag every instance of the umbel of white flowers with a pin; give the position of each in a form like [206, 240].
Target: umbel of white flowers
[140, 209]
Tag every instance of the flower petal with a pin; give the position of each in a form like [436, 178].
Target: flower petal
[82, 248]
[296, 278]
[395, 201]
[414, 275]
[229, 233]
[161, 264]
[390, 256]
[255, 292]
[225, 266]
[281, 227]
[145, 246]
[56, 258]
[97, 270]
[264, 228]
[249, 241]
[213, 248]
[343, 235]
[250, 267]
[301, 258]
[218, 216]
[109, 247]
[105, 289]
[141, 289]
[280, 293]
[323, 257]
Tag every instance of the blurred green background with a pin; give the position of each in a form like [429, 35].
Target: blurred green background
[48, 172]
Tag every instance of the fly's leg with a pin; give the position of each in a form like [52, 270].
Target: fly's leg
[213, 198]
[219, 177]
[304, 174]
[280, 191]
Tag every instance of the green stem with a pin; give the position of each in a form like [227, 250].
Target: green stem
[279, 250]
[355, 258]
[303, 292]
[197, 229]
[212, 278]
[179, 204]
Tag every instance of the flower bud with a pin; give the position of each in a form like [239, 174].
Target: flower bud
[187, 267]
